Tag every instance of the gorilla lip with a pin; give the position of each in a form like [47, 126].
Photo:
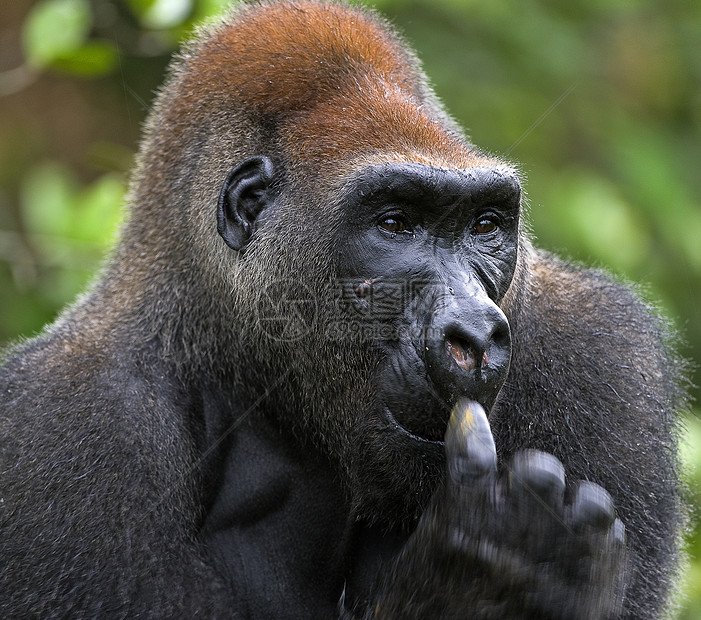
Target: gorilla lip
[405, 431]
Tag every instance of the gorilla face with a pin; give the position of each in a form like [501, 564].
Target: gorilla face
[394, 298]
[426, 256]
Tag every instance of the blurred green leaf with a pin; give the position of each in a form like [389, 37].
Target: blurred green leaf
[588, 212]
[47, 196]
[98, 211]
[140, 7]
[205, 9]
[161, 14]
[91, 60]
[54, 30]
[55, 205]
[651, 166]
[69, 227]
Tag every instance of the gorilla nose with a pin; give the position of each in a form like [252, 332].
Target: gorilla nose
[469, 355]
[469, 347]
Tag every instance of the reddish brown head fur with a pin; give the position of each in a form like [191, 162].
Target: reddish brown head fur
[333, 80]
[286, 57]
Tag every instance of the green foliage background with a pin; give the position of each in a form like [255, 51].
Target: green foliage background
[598, 101]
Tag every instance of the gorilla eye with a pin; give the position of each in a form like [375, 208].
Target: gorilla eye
[395, 223]
[485, 225]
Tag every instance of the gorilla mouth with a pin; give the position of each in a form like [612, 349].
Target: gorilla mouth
[423, 425]
[416, 408]
[432, 437]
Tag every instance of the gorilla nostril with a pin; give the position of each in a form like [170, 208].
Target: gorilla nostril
[501, 336]
[363, 289]
[463, 354]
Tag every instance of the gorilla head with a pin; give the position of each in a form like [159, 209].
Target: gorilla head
[398, 303]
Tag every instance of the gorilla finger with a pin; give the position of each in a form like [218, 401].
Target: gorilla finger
[469, 445]
[618, 533]
[593, 507]
[537, 479]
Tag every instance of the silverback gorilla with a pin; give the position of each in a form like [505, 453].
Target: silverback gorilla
[326, 374]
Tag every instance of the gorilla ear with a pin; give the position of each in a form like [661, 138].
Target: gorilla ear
[242, 199]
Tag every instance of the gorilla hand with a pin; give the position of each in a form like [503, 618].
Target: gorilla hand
[534, 555]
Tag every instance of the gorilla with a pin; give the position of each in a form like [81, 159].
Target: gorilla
[325, 373]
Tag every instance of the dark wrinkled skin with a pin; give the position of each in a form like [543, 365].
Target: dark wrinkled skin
[434, 281]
